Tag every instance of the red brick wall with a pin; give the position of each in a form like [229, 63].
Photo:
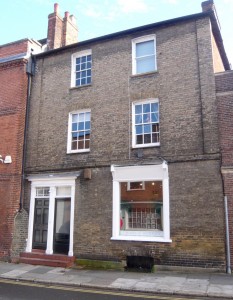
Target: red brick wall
[13, 86]
[13, 48]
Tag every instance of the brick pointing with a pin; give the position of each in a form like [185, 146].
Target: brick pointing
[185, 87]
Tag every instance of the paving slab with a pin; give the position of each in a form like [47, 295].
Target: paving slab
[219, 290]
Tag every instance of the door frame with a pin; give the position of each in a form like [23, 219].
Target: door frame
[52, 181]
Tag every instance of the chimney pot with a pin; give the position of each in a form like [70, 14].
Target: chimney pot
[67, 14]
[56, 7]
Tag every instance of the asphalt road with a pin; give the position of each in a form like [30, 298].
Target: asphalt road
[17, 290]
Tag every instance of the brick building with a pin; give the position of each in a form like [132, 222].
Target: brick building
[123, 154]
[14, 82]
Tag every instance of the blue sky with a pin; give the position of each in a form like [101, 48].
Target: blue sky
[28, 18]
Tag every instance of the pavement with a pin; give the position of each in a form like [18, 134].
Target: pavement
[162, 282]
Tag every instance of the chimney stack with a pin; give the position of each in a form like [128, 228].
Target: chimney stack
[61, 32]
[208, 6]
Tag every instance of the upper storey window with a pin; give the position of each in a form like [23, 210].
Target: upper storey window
[144, 54]
[81, 68]
[146, 123]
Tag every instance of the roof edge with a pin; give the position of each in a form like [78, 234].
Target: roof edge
[126, 32]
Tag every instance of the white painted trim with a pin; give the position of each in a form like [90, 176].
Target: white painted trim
[142, 39]
[140, 173]
[52, 183]
[31, 221]
[73, 64]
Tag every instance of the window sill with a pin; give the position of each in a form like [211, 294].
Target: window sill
[144, 74]
[81, 86]
[146, 146]
[77, 152]
[141, 239]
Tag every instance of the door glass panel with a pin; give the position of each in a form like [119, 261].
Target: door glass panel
[63, 217]
[62, 226]
[63, 191]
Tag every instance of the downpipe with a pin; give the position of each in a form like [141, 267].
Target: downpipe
[228, 269]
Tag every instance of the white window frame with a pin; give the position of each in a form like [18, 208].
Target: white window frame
[140, 173]
[142, 39]
[73, 66]
[69, 137]
[134, 144]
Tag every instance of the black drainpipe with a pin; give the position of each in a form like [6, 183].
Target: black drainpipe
[30, 70]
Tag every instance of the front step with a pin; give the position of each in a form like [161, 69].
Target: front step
[40, 258]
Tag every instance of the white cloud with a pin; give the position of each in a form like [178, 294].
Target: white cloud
[129, 6]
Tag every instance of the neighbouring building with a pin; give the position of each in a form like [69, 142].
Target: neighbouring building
[15, 74]
[123, 155]
[16, 70]
[224, 92]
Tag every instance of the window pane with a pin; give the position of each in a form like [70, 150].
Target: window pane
[83, 66]
[87, 125]
[147, 138]
[84, 74]
[75, 118]
[87, 116]
[138, 109]
[78, 68]
[87, 134]
[83, 81]
[87, 144]
[83, 59]
[147, 128]
[81, 145]
[81, 126]
[74, 126]
[139, 129]
[88, 72]
[88, 65]
[88, 57]
[155, 138]
[155, 107]
[88, 80]
[146, 107]
[74, 145]
[146, 118]
[141, 208]
[146, 64]
[145, 48]
[154, 117]
[139, 139]
[138, 119]
[155, 128]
